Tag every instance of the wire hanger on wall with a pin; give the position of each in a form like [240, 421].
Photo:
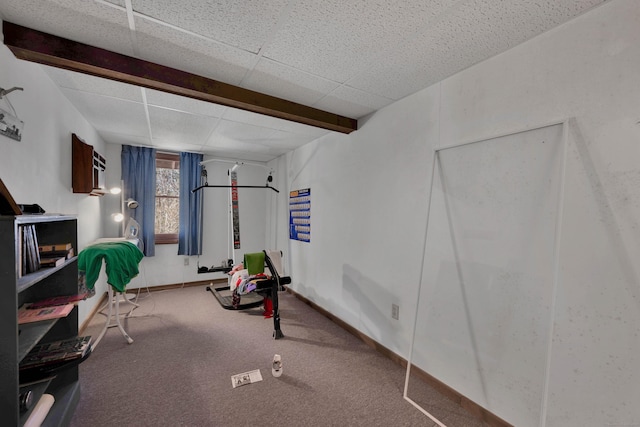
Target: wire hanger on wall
[4, 93]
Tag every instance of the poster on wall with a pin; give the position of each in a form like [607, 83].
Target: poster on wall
[300, 215]
[10, 125]
[235, 215]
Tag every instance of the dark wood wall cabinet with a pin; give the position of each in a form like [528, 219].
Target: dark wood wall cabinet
[87, 168]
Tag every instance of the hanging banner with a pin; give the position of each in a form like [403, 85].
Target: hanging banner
[300, 215]
[235, 216]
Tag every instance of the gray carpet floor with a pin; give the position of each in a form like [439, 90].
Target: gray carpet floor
[186, 347]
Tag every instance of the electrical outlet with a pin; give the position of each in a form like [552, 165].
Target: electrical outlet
[186, 261]
[395, 311]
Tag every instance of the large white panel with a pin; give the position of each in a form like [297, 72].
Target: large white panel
[485, 308]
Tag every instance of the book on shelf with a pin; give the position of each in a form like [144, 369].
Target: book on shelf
[28, 248]
[27, 315]
[59, 300]
[56, 352]
[66, 254]
[51, 262]
[58, 247]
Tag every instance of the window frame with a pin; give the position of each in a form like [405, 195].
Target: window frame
[167, 161]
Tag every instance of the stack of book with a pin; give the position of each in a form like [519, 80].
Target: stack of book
[55, 255]
[49, 308]
[48, 358]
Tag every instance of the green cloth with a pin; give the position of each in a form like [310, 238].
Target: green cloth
[121, 263]
[254, 263]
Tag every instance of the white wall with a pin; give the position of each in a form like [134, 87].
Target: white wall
[369, 200]
[37, 169]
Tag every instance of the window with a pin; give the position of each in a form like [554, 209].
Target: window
[167, 198]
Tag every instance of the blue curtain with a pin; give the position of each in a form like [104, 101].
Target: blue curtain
[190, 231]
[139, 177]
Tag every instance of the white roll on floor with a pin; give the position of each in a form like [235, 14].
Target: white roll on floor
[40, 411]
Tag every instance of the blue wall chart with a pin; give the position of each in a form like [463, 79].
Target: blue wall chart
[300, 215]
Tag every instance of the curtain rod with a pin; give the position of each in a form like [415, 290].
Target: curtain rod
[233, 186]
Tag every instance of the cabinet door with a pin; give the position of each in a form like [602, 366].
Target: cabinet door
[81, 166]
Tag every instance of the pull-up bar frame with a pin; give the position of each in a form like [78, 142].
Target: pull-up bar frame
[233, 186]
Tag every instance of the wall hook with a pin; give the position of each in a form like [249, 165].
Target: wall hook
[4, 92]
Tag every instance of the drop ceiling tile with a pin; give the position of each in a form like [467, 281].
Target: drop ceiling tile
[99, 86]
[244, 116]
[242, 132]
[106, 113]
[289, 141]
[91, 23]
[174, 126]
[220, 141]
[351, 102]
[337, 39]
[120, 3]
[173, 48]
[219, 20]
[184, 104]
[302, 129]
[288, 83]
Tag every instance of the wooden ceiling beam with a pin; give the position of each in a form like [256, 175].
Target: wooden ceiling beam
[36, 46]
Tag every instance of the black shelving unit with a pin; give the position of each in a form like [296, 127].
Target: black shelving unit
[17, 340]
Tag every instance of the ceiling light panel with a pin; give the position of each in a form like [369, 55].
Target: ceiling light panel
[219, 20]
